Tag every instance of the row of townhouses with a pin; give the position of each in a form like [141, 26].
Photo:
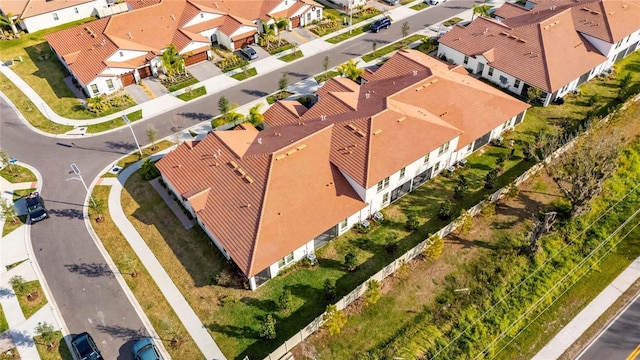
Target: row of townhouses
[551, 45]
[111, 53]
[269, 198]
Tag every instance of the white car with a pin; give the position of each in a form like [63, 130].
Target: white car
[434, 2]
[249, 52]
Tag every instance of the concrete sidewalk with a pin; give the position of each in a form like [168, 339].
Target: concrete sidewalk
[573, 330]
[15, 250]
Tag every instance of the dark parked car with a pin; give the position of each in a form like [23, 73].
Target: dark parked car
[35, 210]
[383, 23]
[391, 2]
[85, 348]
[249, 52]
[145, 349]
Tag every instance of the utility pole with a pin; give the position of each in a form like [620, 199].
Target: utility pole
[76, 171]
[126, 121]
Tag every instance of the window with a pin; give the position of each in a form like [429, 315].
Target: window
[469, 147]
[426, 158]
[443, 148]
[402, 171]
[383, 184]
[285, 261]
[490, 73]
[343, 224]
[94, 89]
[318, 14]
[308, 16]
[517, 83]
[436, 167]
[110, 84]
[121, 53]
[75, 10]
[385, 198]
[466, 60]
[55, 16]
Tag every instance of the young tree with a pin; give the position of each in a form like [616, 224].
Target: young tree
[152, 136]
[374, 47]
[268, 328]
[5, 160]
[481, 10]
[350, 261]
[98, 206]
[581, 171]
[172, 61]
[624, 85]
[8, 211]
[284, 300]
[466, 222]
[325, 66]
[500, 159]
[282, 84]
[435, 247]
[334, 319]
[372, 295]
[533, 94]
[391, 243]
[254, 116]
[405, 30]
[47, 334]
[461, 188]
[18, 284]
[329, 289]
[223, 105]
[446, 210]
[490, 179]
[412, 221]
[350, 70]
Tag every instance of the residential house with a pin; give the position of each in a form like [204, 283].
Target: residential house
[34, 15]
[270, 198]
[113, 52]
[554, 48]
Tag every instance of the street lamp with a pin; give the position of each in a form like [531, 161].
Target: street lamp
[76, 171]
[126, 121]
[350, 15]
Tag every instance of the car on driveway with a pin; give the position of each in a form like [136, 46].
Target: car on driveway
[391, 2]
[249, 52]
[145, 349]
[35, 208]
[85, 348]
[383, 23]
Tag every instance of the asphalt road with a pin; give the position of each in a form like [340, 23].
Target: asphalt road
[86, 292]
[620, 339]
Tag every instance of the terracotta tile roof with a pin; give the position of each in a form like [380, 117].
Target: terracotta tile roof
[29, 8]
[542, 49]
[137, 4]
[509, 10]
[284, 112]
[254, 199]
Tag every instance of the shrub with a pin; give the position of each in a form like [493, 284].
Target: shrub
[372, 295]
[466, 222]
[148, 170]
[334, 319]
[228, 299]
[460, 188]
[490, 179]
[268, 328]
[412, 221]
[500, 159]
[351, 261]
[306, 101]
[563, 208]
[446, 210]
[435, 247]
[391, 243]
[329, 289]
[285, 300]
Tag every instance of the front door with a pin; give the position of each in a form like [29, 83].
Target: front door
[480, 68]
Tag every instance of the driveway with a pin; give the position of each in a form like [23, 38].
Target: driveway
[298, 35]
[204, 70]
[136, 92]
[155, 86]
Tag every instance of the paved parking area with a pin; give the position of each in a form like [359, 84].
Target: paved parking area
[136, 92]
[204, 70]
[155, 86]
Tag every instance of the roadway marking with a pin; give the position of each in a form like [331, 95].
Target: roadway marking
[634, 354]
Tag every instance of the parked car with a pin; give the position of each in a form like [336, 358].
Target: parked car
[383, 23]
[249, 52]
[145, 349]
[434, 2]
[85, 348]
[391, 2]
[35, 208]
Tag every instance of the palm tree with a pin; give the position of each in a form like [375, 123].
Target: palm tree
[172, 61]
[255, 117]
[269, 34]
[8, 20]
[481, 10]
[350, 69]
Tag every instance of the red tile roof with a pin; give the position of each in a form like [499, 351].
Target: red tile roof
[508, 10]
[24, 9]
[542, 49]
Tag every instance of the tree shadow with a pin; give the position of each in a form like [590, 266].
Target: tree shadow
[196, 116]
[237, 332]
[48, 69]
[67, 213]
[454, 238]
[267, 306]
[90, 270]
[122, 332]
[120, 145]
[256, 93]
[6, 293]
[20, 338]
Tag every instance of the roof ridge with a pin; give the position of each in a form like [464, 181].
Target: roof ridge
[257, 231]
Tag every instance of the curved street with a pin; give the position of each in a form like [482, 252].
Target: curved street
[86, 292]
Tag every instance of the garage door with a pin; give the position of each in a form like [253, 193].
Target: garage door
[196, 58]
[127, 79]
[243, 42]
[144, 72]
[295, 22]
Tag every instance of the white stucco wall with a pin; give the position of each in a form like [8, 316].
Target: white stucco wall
[202, 17]
[47, 20]
[124, 55]
[346, 3]
[309, 15]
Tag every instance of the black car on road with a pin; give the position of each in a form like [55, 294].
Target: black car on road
[35, 207]
[383, 23]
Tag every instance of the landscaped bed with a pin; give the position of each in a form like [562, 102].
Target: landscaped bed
[191, 94]
[114, 123]
[245, 74]
[59, 351]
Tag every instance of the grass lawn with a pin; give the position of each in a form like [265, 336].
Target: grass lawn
[280, 49]
[31, 305]
[348, 35]
[339, 16]
[391, 48]
[194, 93]
[183, 84]
[326, 76]
[278, 96]
[11, 354]
[17, 174]
[46, 77]
[293, 56]
[3, 322]
[245, 74]
[59, 351]
[28, 109]
[155, 306]
[146, 151]
[114, 123]
[452, 21]
[419, 6]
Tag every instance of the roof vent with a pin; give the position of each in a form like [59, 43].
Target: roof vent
[366, 95]
[415, 72]
[280, 157]
[360, 133]
[233, 164]
[302, 146]
[323, 117]
[173, 17]
[130, 36]
[259, 140]
[402, 118]
[248, 179]
[378, 131]
[352, 127]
